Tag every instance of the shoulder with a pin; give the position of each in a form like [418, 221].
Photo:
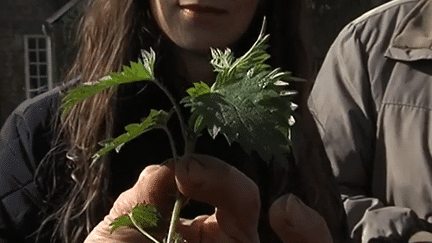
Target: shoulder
[30, 115]
[365, 40]
[34, 110]
[24, 140]
[393, 8]
[25, 136]
[26, 129]
[382, 20]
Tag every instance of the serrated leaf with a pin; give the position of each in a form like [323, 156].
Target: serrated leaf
[146, 216]
[198, 89]
[256, 117]
[231, 70]
[143, 70]
[246, 104]
[122, 221]
[198, 124]
[153, 120]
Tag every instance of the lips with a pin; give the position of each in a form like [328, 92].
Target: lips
[202, 9]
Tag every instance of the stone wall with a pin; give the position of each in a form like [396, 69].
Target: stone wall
[17, 18]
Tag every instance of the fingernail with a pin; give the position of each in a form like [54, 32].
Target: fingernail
[194, 168]
[294, 209]
[292, 202]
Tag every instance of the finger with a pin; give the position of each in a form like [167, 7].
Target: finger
[236, 197]
[294, 221]
[191, 230]
[155, 186]
[205, 228]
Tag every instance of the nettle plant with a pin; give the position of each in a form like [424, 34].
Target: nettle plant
[248, 103]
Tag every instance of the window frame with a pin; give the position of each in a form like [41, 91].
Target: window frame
[49, 72]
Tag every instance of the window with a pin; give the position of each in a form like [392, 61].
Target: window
[38, 67]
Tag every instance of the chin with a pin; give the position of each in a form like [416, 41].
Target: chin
[204, 45]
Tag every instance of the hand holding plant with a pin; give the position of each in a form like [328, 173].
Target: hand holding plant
[211, 180]
[248, 103]
[198, 177]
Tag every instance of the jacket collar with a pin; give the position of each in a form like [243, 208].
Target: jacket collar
[413, 37]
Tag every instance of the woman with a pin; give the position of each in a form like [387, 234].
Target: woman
[57, 189]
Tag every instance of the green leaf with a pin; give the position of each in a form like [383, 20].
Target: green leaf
[146, 216]
[256, 117]
[177, 238]
[156, 119]
[231, 70]
[122, 221]
[137, 71]
[198, 89]
[246, 104]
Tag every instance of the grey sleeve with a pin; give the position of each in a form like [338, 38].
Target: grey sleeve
[344, 110]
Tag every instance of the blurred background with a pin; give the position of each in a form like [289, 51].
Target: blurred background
[36, 41]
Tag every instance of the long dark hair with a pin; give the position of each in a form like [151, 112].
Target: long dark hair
[111, 33]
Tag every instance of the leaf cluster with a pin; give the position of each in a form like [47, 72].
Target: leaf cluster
[245, 103]
[248, 103]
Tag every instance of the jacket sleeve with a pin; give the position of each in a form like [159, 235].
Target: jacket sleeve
[14, 175]
[343, 107]
[22, 146]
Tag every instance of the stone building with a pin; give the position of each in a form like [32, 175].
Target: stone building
[30, 49]
[35, 37]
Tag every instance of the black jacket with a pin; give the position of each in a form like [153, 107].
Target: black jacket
[24, 141]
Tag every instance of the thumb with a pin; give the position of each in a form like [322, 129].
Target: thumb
[294, 221]
[234, 195]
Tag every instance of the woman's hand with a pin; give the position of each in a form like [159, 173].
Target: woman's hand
[293, 221]
[234, 195]
[156, 185]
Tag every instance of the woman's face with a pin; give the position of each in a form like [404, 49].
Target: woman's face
[199, 24]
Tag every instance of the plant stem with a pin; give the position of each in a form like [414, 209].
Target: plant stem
[143, 231]
[172, 144]
[176, 108]
[178, 203]
[190, 140]
[174, 219]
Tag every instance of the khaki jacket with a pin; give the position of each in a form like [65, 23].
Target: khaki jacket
[372, 102]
